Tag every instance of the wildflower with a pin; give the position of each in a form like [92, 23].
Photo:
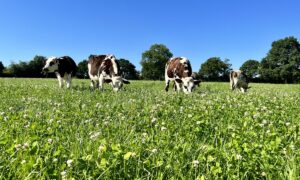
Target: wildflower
[101, 148]
[144, 134]
[18, 146]
[163, 128]
[154, 151]
[153, 120]
[287, 123]
[264, 122]
[2, 113]
[190, 115]
[50, 121]
[50, 141]
[27, 126]
[23, 162]
[198, 122]
[55, 160]
[263, 174]
[69, 162]
[63, 173]
[25, 145]
[95, 135]
[195, 163]
[239, 157]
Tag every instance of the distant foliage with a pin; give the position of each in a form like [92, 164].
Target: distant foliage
[153, 62]
[251, 68]
[214, 69]
[28, 69]
[282, 63]
[82, 69]
[1, 68]
[128, 70]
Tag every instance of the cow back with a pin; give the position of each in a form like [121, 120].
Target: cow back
[179, 68]
[66, 65]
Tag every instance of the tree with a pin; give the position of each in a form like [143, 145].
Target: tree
[251, 68]
[82, 69]
[154, 60]
[128, 70]
[31, 69]
[1, 68]
[214, 69]
[282, 63]
[35, 66]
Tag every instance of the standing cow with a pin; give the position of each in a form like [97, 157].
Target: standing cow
[105, 68]
[179, 70]
[238, 80]
[63, 67]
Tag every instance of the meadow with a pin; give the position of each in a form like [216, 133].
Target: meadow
[143, 132]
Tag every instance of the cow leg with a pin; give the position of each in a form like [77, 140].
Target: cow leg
[174, 86]
[60, 80]
[101, 81]
[178, 86]
[167, 85]
[69, 81]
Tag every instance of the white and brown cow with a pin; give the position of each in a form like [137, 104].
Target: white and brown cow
[179, 69]
[105, 69]
[64, 68]
[238, 80]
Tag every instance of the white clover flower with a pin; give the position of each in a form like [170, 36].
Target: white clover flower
[198, 122]
[163, 128]
[23, 162]
[239, 157]
[144, 134]
[55, 160]
[105, 122]
[63, 173]
[27, 126]
[50, 121]
[195, 163]
[153, 120]
[25, 145]
[264, 122]
[95, 135]
[50, 141]
[101, 148]
[263, 174]
[154, 151]
[69, 162]
[18, 146]
[2, 113]
[287, 123]
[190, 115]
[10, 108]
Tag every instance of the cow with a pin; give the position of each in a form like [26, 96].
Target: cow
[238, 80]
[105, 69]
[64, 68]
[179, 69]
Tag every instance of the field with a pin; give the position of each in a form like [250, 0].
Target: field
[145, 133]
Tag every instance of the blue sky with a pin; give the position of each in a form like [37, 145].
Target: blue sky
[197, 29]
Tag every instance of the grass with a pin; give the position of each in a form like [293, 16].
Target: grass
[145, 133]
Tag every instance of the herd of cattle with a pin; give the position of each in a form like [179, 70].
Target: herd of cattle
[105, 69]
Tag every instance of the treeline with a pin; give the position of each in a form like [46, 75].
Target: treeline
[281, 65]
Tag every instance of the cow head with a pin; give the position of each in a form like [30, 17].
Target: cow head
[117, 82]
[51, 65]
[188, 84]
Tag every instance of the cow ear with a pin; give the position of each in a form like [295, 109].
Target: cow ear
[178, 80]
[197, 82]
[125, 81]
[107, 80]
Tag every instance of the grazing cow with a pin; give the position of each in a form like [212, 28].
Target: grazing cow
[238, 80]
[63, 67]
[179, 70]
[105, 68]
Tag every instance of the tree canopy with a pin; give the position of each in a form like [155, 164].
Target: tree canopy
[214, 69]
[153, 62]
[128, 69]
[82, 69]
[282, 63]
[251, 68]
[1, 68]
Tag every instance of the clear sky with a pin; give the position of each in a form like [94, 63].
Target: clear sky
[197, 29]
